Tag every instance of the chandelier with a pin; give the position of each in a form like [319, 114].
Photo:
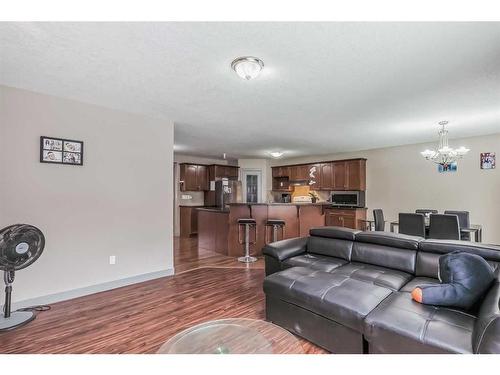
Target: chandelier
[444, 154]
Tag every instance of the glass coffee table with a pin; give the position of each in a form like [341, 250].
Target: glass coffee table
[233, 336]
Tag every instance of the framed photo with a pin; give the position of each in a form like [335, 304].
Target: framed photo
[444, 168]
[488, 160]
[61, 151]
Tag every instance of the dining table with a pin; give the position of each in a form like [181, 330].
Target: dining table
[476, 229]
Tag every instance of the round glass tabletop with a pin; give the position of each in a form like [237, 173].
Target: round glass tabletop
[233, 336]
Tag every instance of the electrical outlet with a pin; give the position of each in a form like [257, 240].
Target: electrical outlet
[112, 259]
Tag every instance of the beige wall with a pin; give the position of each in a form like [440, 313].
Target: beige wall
[118, 203]
[197, 197]
[400, 180]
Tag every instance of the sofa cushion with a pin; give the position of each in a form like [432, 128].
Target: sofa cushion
[381, 276]
[284, 249]
[330, 246]
[401, 241]
[413, 283]
[384, 256]
[431, 250]
[315, 262]
[332, 295]
[340, 233]
[486, 337]
[401, 325]
[488, 252]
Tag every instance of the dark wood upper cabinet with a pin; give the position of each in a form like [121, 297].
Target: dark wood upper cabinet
[299, 172]
[193, 177]
[314, 176]
[356, 174]
[217, 171]
[326, 172]
[281, 171]
[339, 175]
[334, 175]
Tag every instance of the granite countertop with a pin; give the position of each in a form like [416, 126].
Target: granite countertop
[282, 204]
[214, 209]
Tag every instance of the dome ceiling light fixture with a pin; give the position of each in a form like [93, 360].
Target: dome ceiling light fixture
[276, 154]
[247, 67]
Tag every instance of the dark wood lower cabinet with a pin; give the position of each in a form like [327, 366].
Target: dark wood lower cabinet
[212, 230]
[344, 217]
[188, 220]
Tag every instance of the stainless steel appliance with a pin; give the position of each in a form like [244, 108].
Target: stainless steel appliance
[353, 198]
[227, 191]
[286, 198]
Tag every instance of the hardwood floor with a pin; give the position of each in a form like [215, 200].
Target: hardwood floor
[139, 318]
[187, 257]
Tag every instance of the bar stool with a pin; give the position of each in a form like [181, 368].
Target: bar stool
[246, 224]
[276, 224]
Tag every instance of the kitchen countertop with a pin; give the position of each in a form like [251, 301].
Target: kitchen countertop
[213, 209]
[282, 204]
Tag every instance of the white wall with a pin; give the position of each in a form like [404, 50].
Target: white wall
[197, 197]
[118, 203]
[400, 180]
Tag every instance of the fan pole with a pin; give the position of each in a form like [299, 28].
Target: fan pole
[8, 278]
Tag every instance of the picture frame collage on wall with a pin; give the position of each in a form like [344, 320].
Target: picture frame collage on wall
[488, 160]
[61, 151]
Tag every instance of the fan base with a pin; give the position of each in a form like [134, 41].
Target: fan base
[16, 319]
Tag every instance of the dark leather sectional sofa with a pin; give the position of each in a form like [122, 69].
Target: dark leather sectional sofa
[350, 292]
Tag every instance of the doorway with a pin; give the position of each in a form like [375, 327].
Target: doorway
[251, 181]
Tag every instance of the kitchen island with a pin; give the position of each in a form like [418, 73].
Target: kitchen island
[218, 229]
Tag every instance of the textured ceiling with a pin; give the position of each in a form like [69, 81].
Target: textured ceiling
[326, 87]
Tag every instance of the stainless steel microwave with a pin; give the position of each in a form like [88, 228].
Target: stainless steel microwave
[353, 198]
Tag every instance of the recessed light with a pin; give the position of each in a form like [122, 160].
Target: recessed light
[276, 154]
[247, 67]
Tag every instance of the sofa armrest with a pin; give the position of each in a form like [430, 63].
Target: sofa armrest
[486, 336]
[285, 249]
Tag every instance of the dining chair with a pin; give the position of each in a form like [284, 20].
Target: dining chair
[426, 211]
[444, 227]
[463, 222]
[378, 216]
[412, 224]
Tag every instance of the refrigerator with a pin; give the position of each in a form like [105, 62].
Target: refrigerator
[227, 191]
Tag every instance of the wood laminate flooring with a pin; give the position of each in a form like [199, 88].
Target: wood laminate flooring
[139, 318]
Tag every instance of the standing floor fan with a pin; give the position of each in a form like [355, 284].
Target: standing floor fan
[20, 246]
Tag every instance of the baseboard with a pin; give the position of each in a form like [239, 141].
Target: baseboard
[75, 293]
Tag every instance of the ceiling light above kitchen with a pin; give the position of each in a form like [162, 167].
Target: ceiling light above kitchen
[247, 67]
[276, 154]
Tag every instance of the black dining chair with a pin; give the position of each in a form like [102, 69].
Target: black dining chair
[412, 224]
[444, 227]
[426, 211]
[463, 222]
[378, 217]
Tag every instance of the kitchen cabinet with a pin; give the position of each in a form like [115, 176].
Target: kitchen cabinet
[217, 172]
[339, 175]
[299, 172]
[356, 174]
[281, 171]
[349, 175]
[326, 173]
[188, 222]
[193, 177]
[314, 176]
[347, 218]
